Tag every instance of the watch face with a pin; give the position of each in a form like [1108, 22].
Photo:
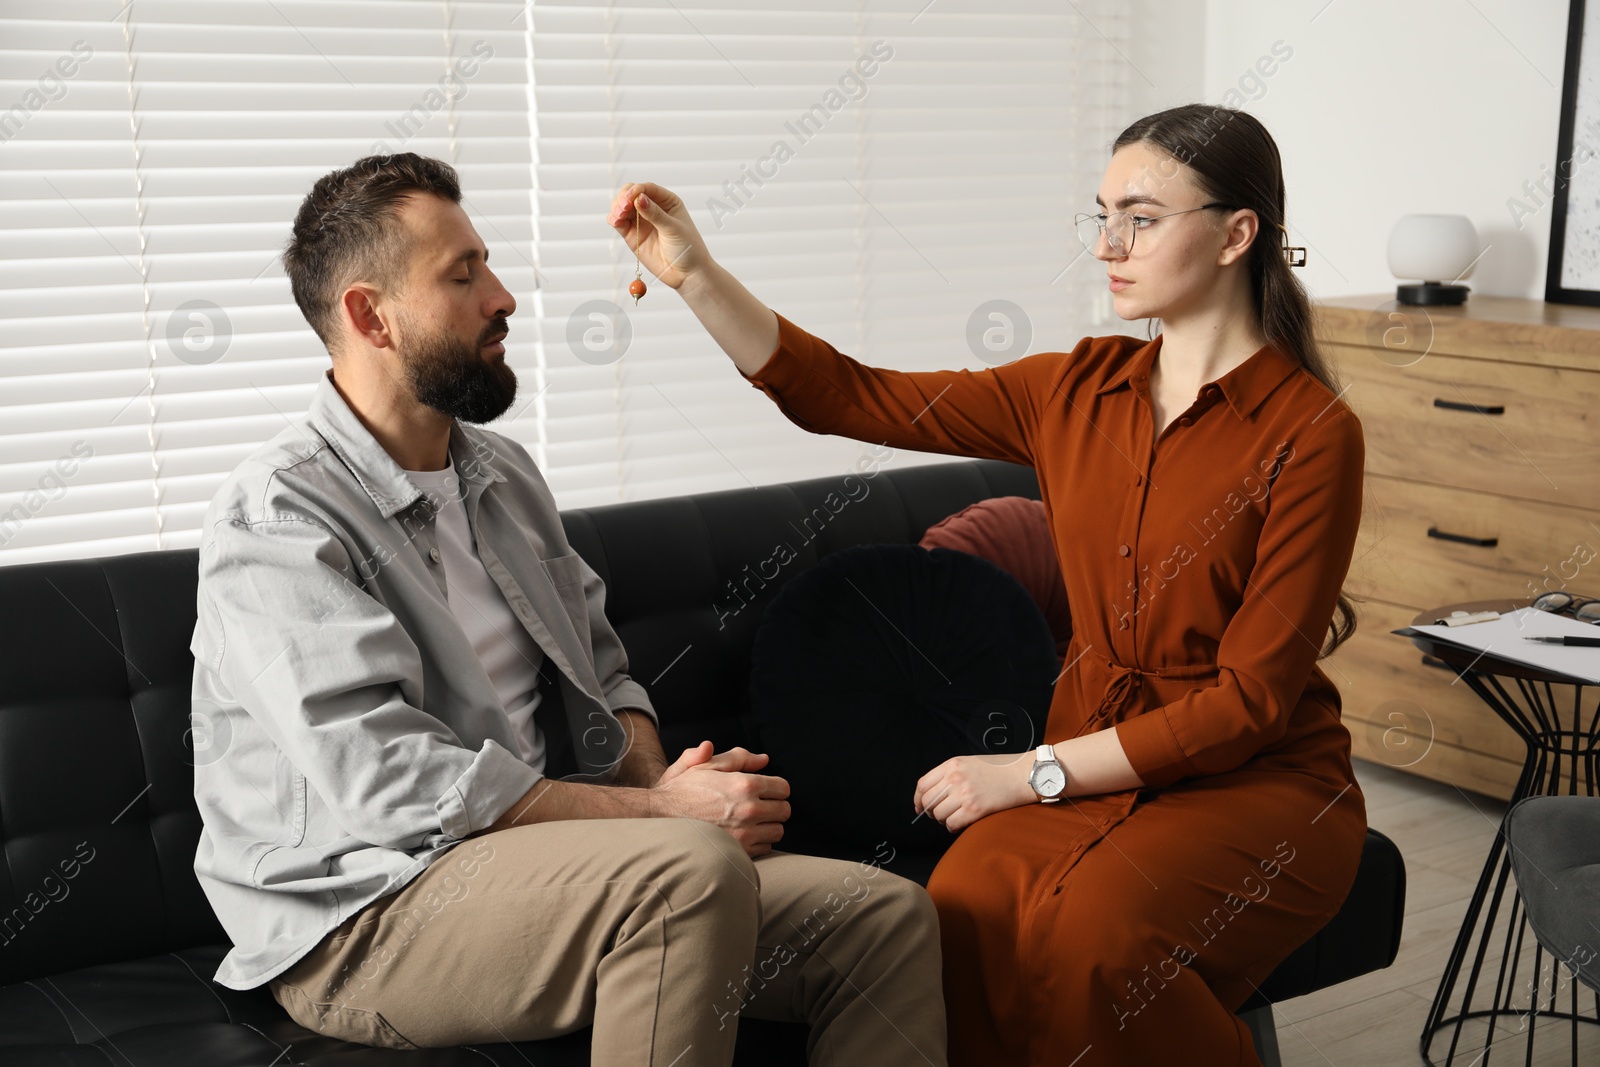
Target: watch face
[1049, 779]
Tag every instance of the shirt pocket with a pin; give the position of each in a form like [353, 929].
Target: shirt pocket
[291, 799]
[567, 574]
[564, 570]
[289, 859]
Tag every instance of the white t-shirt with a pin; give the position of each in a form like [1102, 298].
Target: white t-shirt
[508, 653]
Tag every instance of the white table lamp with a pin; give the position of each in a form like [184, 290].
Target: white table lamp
[1439, 250]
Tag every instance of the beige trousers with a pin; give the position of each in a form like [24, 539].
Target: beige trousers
[660, 933]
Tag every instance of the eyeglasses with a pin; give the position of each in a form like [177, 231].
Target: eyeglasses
[1120, 227]
[1582, 608]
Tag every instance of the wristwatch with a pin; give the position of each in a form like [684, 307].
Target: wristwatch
[1048, 778]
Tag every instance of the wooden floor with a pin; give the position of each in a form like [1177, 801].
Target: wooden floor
[1376, 1020]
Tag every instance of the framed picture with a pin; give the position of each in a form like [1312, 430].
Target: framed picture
[1573, 275]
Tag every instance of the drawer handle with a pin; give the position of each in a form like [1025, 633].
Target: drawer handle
[1458, 405]
[1481, 542]
[1435, 661]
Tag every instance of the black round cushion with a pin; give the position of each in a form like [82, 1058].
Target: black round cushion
[876, 665]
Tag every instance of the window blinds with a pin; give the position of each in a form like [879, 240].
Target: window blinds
[152, 155]
[874, 172]
[151, 341]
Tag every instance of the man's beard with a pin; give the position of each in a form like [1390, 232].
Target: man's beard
[455, 379]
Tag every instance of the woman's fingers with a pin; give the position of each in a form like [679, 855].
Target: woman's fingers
[626, 207]
[655, 224]
[661, 196]
[671, 239]
[621, 212]
[947, 806]
[922, 795]
[622, 208]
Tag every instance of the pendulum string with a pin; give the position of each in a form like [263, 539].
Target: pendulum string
[636, 288]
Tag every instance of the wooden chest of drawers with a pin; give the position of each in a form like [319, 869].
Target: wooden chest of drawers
[1482, 428]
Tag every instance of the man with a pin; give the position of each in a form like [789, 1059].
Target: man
[384, 674]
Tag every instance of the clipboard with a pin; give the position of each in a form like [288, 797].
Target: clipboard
[1502, 636]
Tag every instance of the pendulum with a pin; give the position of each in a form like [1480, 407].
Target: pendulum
[636, 288]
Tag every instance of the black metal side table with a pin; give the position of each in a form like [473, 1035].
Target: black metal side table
[1563, 757]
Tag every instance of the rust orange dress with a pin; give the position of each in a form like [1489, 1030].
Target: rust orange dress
[1202, 570]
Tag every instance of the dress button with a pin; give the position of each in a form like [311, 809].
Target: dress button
[1185, 421]
[433, 554]
[1123, 550]
[1139, 480]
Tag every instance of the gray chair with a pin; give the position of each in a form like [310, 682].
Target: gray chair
[1555, 852]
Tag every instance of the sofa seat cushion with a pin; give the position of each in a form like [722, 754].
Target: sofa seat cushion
[166, 1010]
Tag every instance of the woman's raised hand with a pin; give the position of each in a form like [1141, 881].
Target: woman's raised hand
[655, 224]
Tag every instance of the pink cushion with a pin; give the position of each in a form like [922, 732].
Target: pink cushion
[1012, 533]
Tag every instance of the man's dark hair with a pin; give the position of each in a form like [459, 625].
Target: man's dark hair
[347, 228]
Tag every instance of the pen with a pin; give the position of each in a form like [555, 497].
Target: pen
[1586, 642]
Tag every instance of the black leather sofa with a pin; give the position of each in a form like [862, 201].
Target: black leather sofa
[107, 944]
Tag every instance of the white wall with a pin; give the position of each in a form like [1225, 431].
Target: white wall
[1389, 108]
[1168, 53]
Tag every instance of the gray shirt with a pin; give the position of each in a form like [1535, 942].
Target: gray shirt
[345, 733]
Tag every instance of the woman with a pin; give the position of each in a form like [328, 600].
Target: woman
[1204, 490]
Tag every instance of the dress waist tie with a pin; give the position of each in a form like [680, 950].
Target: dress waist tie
[1124, 685]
